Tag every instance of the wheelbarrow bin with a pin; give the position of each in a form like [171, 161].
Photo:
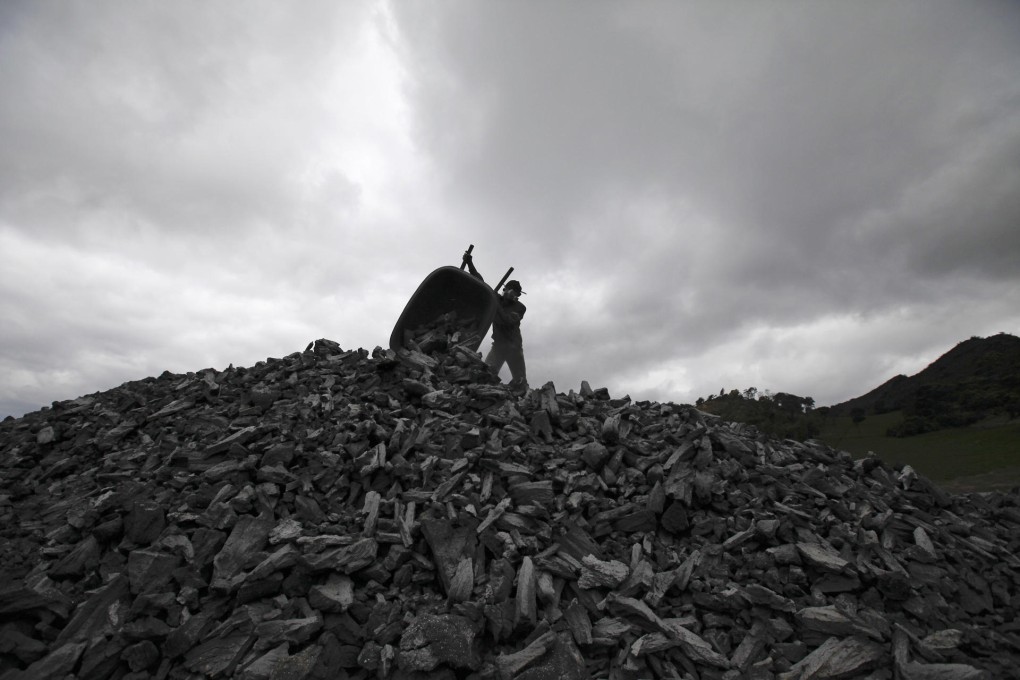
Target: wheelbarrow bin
[446, 290]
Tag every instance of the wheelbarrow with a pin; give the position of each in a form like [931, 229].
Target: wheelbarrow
[450, 290]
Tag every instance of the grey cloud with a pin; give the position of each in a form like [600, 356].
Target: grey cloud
[785, 132]
[171, 114]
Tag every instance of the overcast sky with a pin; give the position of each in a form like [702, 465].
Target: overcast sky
[809, 197]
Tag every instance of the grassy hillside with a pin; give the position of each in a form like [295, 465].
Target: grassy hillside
[957, 421]
[977, 379]
[984, 457]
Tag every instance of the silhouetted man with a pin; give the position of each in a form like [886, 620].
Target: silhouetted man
[507, 344]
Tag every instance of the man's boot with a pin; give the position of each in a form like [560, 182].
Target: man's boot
[519, 386]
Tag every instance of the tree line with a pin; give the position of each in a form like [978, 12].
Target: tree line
[780, 414]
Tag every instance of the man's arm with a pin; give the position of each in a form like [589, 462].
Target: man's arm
[469, 261]
[509, 318]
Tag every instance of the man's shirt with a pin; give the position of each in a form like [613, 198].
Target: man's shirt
[506, 329]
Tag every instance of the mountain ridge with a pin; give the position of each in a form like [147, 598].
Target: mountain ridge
[993, 360]
[977, 380]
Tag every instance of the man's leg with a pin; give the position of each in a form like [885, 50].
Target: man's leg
[495, 358]
[518, 370]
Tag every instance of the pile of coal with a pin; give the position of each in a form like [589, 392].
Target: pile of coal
[445, 331]
[346, 514]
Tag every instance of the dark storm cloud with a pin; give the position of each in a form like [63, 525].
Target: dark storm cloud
[728, 166]
[786, 122]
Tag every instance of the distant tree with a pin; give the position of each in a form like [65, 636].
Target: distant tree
[857, 415]
[791, 403]
[700, 401]
[783, 415]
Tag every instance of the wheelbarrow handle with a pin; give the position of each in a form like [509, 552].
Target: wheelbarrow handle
[503, 280]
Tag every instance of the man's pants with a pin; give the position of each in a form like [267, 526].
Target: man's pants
[511, 355]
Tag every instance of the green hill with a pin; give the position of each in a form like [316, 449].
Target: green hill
[977, 380]
[982, 457]
[782, 414]
[955, 422]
